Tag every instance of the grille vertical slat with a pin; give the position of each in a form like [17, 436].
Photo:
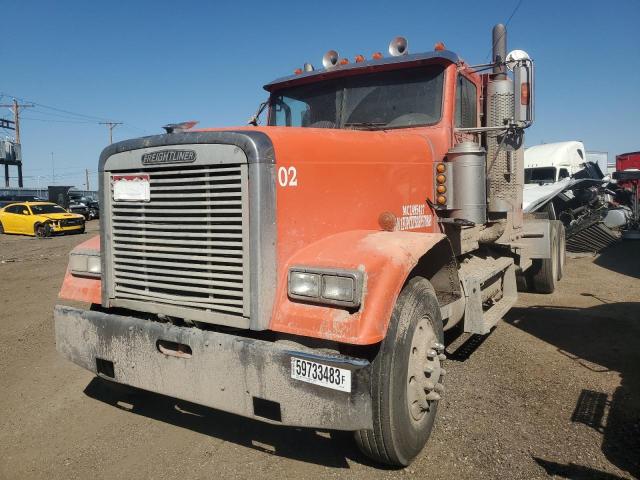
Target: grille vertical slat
[186, 247]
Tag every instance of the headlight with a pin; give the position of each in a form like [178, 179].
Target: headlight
[85, 265]
[333, 287]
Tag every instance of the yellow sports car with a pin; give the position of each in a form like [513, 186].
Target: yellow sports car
[40, 219]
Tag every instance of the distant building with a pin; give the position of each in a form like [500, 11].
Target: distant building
[602, 159]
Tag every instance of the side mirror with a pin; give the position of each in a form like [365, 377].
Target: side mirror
[25, 212]
[521, 64]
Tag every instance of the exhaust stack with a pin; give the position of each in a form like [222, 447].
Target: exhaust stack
[499, 51]
[505, 155]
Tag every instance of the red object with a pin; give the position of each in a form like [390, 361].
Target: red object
[626, 161]
[376, 56]
[438, 47]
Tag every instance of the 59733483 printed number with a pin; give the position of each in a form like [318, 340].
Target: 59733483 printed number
[320, 374]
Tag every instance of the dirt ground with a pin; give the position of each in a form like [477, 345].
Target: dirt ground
[554, 391]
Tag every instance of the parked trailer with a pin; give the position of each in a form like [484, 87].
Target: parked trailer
[303, 273]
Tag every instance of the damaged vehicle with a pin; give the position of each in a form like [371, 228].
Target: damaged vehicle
[593, 210]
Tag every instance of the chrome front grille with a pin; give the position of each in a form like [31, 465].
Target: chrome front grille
[188, 246]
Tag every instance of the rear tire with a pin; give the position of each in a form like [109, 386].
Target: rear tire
[406, 378]
[544, 272]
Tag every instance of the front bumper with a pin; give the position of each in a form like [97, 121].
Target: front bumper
[73, 228]
[228, 372]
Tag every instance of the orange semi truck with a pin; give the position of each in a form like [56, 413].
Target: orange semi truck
[304, 272]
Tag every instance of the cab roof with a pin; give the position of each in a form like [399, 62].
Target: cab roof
[411, 60]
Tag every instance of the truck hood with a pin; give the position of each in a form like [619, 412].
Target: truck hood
[409, 144]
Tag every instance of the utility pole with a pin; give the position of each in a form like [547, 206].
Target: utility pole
[111, 126]
[15, 107]
[86, 174]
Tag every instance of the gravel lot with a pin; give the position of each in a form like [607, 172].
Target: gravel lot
[554, 391]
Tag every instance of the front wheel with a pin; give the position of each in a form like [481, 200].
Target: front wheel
[1, 229]
[406, 378]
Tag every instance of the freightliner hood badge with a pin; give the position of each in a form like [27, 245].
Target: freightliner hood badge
[169, 156]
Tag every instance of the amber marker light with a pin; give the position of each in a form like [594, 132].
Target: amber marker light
[441, 189]
[387, 221]
[376, 56]
[441, 178]
[442, 200]
[438, 47]
[297, 71]
[343, 61]
[524, 94]
[359, 58]
[441, 167]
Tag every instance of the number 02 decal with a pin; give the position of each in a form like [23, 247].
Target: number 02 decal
[288, 177]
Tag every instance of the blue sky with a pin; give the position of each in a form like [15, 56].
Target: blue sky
[148, 63]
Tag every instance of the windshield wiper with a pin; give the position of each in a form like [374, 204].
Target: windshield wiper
[366, 125]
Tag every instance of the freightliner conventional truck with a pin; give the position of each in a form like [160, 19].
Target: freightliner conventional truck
[303, 272]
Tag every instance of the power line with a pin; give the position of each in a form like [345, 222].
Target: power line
[60, 111]
[56, 109]
[49, 120]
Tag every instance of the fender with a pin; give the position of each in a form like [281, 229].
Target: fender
[387, 258]
[82, 289]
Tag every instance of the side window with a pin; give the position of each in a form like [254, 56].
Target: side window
[292, 112]
[466, 103]
[16, 209]
[564, 173]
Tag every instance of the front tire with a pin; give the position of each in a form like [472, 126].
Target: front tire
[1, 228]
[406, 378]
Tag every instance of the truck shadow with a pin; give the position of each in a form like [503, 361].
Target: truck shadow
[573, 471]
[603, 338]
[621, 258]
[331, 449]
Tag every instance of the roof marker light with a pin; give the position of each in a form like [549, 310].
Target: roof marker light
[359, 58]
[344, 61]
[376, 56]
[297, 71]
[439, 46]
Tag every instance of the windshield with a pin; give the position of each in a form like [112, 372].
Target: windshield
[540, 175]
[44, 209]
[400, 98]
